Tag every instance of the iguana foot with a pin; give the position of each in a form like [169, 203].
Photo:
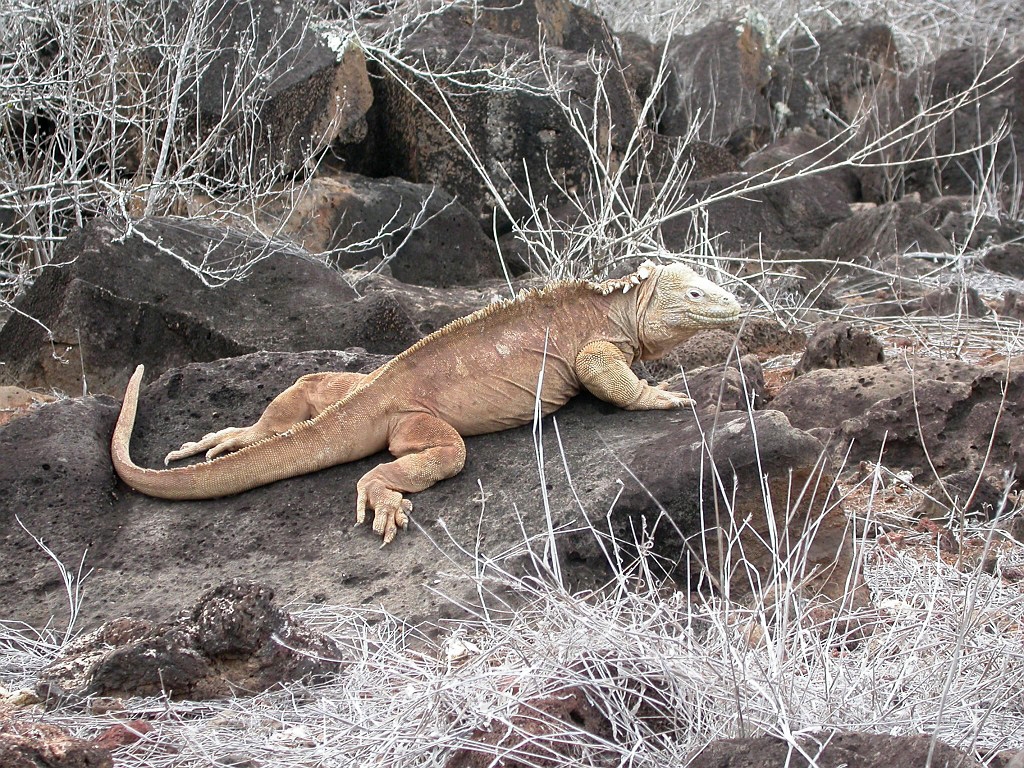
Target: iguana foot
[390, 509]
[216, 443]
[656, 398]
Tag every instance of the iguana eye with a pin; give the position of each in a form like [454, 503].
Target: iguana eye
[696, 294]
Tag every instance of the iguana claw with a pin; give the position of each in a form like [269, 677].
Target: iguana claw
[390, 509]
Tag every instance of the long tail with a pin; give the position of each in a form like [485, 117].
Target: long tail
[300, 451]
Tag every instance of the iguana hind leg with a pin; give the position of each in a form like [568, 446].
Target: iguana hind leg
[428, 449]
[302, 400]
[603, 369]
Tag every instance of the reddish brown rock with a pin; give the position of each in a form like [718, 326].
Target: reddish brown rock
[39, 745]
[832, 749]
[122, 734]
[535, 736]
[840, 345]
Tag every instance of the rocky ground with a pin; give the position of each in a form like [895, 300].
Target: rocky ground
[611, 587]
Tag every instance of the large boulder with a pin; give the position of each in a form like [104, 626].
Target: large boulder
[802, 153]
[520, 134]
[119, 299]
[307, 93]
[252, 87]
[418, 231]
[793, 214]
[827, 80]
[871, 234]
[718, 81]
[977, 90]
[648, 478]
[931, 417]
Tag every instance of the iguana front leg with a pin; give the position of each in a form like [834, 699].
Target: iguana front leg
[428, 449]
[604, 370]
[302, 400]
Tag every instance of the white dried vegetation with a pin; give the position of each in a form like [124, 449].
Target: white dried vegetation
[940, 654]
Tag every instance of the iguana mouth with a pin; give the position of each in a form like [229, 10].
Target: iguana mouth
[722, 315]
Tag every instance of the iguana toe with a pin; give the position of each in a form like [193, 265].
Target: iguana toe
[393, 520]
[390, 509]
[186, 450]
[216, 443]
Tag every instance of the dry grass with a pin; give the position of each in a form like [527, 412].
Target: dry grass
[942, 653]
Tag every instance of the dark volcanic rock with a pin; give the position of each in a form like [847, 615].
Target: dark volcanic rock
[718, 78]
[736, 385]
[886, 230]
[127, 301]
[956, 217]
[802, 152]
[40, 745]
[834, 74]
[952, 409]
[562, 23]
[953, 300]
[1007, 258]
[792, 215]
[235, 639]
[1012, 305]
[832, 749]
[521, 135]
[840, 345]
[313, 96]
[705, 348]
[298, 535]
[987, 86]
[427, 237]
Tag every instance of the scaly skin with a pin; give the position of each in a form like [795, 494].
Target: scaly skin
[476, 375]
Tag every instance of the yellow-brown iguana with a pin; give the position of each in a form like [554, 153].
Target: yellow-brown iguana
[482, 373]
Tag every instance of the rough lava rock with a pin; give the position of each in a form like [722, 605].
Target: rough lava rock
[522, 135]
[833, 75]
[128, 300]
[791, 215]
[832, 749]
[314, 95]
[987, 86]
[837, 344]
[952, 300]
[426, 236]
[718, 78]
[802, 152]
[646, 474]
[955, 410]
[41, 745]
[874, 233]
[234, 640]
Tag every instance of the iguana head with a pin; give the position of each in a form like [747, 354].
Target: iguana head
[674, 303]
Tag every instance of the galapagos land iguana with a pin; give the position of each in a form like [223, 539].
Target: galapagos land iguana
[479, 374]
